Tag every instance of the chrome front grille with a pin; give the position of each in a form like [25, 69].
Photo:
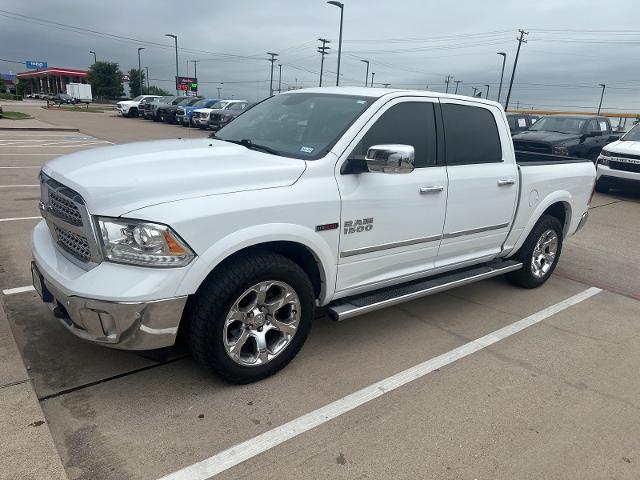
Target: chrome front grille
[64, 208]
[76, 245]
[69, 222]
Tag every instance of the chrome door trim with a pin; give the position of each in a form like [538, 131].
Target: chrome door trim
[475, 230]
[386, 246]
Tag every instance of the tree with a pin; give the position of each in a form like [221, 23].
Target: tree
[23, 87]
[106, 80]
[153, 90]
[135, 88]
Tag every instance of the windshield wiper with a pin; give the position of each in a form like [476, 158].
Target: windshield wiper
[245, 142]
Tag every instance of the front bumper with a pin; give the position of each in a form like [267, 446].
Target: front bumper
[126, 320]
[201, 122]
[612, 176]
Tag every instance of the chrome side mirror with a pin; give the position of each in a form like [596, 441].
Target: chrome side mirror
[391, 159]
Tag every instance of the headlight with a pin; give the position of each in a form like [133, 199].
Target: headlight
[604, 157]
[142, 243]
[560, 150]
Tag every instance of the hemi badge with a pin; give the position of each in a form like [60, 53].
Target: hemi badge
[328, 226]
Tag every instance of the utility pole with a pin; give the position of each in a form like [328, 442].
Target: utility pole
[279, 78]
[475, 90]
[487, 95]
[175, 38]
[147, 69]
[341, 7]
[447, 81]
[521, 40]
[457, 82]
[504, 60]
[272, 60]
[140, 70]
[601, 97]
[366, 76]
[373, 74]
[220, 88]
[323, 50]
[195, 68]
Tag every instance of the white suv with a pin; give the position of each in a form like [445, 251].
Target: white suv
[619, 162]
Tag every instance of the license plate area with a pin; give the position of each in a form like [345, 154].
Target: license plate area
[39, 285]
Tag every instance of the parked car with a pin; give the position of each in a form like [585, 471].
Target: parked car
[217, 120]
[131, 108]
[519, 122]
[200, 117]
[62, 99]
[619, 163]
[167, 113]
[183, 113]
[348, 198]
[570, 135]
[158, 105]
[149, 108]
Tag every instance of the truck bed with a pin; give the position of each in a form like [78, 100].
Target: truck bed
[532, 158]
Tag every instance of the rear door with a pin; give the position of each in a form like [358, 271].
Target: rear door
[392, 223]
[483, 182]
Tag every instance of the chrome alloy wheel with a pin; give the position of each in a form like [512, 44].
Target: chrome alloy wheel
[544, 253]
[261, 323]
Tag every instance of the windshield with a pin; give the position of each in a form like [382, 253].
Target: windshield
[137, 99]
[300, 125]
[559, 124]
[202, 103]
[632, 135]
[219, 105]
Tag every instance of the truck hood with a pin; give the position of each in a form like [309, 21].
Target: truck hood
[546, 137]
[127, 102]
[118, 179]
[625, 147]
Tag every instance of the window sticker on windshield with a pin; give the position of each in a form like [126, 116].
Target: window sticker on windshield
[522, 122]
[306, 149]
[360, 102]
[603, 126]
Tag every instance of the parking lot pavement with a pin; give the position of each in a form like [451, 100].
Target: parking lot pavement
[556, 400]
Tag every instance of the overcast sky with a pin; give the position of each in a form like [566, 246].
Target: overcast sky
[573, 45]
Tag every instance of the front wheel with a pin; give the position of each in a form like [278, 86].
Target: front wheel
[539, 254]
[251, 317]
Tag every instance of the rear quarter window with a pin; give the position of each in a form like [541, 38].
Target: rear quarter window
[471, 135]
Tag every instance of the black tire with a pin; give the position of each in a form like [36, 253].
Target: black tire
[208, 309]
[602, 187]
[133, 112]
[525, 277]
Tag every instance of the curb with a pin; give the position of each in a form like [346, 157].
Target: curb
[27, 447]
[40, 129]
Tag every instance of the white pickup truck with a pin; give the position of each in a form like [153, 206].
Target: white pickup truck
[619, 163]
[131, 108]
[350, 199]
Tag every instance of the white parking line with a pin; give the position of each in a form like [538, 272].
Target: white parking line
[18, 218]
[13, 291]
[17, 154]
[27, 166]
[11, 186]
[268, 440]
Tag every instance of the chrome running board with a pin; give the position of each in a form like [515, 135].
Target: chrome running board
[345, 308]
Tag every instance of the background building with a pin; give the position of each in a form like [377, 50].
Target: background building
[52, 79]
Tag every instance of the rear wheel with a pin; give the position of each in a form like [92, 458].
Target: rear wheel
[539, 254]
[251, 318]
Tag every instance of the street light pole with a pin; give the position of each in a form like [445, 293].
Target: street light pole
[601, 97]
[140, 69]
[175, 38]
[457, 82]
[447, 81]
[272, 60]
[373, 74]
[504, 60]
[95, 59]
[341, 7]
[366, 77]
[147, 69]
[487, 95]
[219, 89]
[279, 78]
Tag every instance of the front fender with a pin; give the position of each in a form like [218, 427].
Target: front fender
[256, 235]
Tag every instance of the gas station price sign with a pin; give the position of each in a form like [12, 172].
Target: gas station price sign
[187, 84]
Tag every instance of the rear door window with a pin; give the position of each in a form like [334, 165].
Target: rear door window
[471, 135]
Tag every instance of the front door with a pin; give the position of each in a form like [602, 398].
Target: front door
[392, 223]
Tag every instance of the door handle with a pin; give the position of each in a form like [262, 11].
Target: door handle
[503, 182]
[432, 189]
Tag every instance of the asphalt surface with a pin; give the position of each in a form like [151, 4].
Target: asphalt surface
[557, 400]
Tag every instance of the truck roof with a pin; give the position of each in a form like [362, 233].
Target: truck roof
[375, 92]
